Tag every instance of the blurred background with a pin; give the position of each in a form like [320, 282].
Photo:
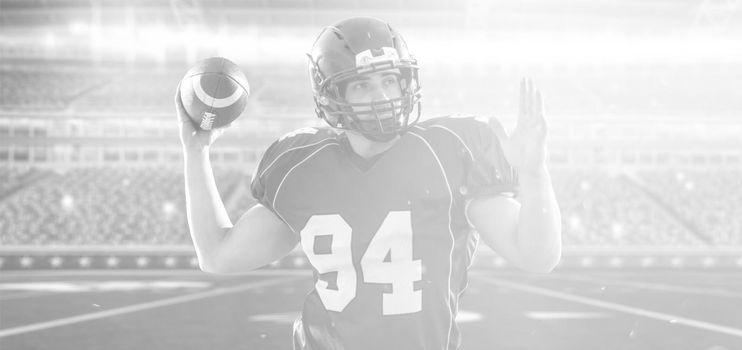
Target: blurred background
[643, 100]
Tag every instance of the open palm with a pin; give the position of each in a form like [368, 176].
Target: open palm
[525, 148]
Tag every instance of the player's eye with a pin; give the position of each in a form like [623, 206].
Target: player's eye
[360, 86]
[390, 80]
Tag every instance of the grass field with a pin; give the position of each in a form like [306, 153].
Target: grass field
[502, 309]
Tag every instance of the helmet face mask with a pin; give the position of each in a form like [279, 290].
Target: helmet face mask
[355, 48]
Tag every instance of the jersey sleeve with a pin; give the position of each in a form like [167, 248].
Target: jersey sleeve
[260, 182]
[487, 170]
[279, 158]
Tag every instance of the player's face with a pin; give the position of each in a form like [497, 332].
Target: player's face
[373, 87]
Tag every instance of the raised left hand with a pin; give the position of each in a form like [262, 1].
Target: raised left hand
[525, 148]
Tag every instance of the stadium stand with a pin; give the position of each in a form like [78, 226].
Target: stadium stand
[102, 206]
[710, 200]
[600, 209]
[120, 206]
[45, 90]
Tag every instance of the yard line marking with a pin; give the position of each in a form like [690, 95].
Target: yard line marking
[280, 318]
[563, 315]
[271, 272]
[139, 307]
[615, 307]
[719, 292]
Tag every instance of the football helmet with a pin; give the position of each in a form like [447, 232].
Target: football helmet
[354, 47]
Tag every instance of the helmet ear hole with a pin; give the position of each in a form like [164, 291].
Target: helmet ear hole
[323, 100]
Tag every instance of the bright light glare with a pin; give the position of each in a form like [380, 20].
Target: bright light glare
[168, 208]
[68, 202]
[78, 28]
[577, 49]
[49, 40]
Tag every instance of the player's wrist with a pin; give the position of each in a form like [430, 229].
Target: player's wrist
[196, 151]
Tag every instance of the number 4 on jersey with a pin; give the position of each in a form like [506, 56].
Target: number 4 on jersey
[388, 259]
[394, 240]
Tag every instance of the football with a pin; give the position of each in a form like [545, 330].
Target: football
[214, 93]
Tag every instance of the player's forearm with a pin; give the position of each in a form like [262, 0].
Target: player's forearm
[539, 234]
[208, 220]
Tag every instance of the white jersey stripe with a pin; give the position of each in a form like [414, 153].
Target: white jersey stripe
[275, 196]
[450, 231]
[471, 155]
[291, 149]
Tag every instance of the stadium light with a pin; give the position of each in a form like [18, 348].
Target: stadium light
[617, 230]
[168, 208]
[84, 261]
[68, 202]
[689, 185]
[677, 261]
[112, 261]
[575, 222]
[171, 262]
[584, 185]
[575, 49]
[78, 28]
[26, 261]
[299, 261]
[142, 261]
[49, 40]
[55, 261]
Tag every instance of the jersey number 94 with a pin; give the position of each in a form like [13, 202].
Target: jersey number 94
[393, 239]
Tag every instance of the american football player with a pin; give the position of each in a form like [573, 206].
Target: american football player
[387, 208]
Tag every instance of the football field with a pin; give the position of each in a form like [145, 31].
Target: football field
[501, 309]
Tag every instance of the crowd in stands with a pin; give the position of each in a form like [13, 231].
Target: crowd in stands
[660, 90]
[133, 91]
[121, 206]
[711, 201]
[601, 209]
[13, 178]
[101, 206]
[45, 90]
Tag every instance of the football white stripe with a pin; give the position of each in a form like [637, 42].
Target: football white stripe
[211, 100]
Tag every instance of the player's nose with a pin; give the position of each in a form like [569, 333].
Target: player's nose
[379, 95]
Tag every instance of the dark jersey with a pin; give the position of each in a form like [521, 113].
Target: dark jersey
[387, 237]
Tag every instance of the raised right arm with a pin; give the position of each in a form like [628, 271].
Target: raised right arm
[259, 236]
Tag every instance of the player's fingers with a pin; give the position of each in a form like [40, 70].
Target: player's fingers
[522, 104]
[540, 115]
[179, 109]
[539, 107]
[531, 103]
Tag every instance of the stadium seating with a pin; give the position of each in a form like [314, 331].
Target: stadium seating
[122, 206]
[710, 200]
[102, 206]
